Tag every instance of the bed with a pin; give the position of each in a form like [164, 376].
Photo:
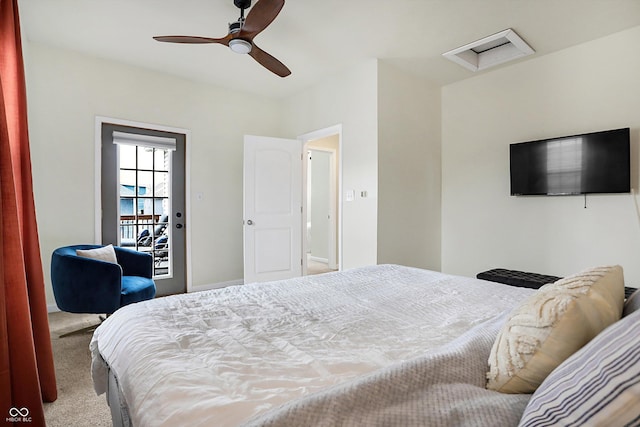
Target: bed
[380, 345]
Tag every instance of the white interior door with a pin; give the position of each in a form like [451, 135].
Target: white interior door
[272, 208]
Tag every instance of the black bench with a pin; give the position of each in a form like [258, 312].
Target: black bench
[525, 279]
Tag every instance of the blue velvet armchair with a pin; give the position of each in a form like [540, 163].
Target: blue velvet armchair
[86, 285]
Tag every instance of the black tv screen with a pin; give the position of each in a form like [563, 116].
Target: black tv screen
[597, 162]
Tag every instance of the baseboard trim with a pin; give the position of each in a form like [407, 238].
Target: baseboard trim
[318, 259]
[218, 285]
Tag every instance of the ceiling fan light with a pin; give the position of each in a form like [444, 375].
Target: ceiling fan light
[240, 46]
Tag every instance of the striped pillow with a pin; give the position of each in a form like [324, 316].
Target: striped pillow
[597, 386]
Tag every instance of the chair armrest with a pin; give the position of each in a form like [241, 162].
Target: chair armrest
[134, 263]
[85, 285]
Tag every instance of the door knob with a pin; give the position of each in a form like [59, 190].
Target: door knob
[249, 222]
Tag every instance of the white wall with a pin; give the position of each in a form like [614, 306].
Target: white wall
[590, 87]
[409, 174]
[348, 98]
[67, 90]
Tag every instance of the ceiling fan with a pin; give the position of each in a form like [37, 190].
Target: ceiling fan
[242, 32]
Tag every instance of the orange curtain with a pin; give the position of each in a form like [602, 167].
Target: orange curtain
[27, 375]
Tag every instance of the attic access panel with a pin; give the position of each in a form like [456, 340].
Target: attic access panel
[490, 51]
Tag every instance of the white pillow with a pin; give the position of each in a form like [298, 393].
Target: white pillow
[551, 325]
[105, 253]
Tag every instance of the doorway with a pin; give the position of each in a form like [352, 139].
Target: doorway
[142, 198]
[321, 233]
[322, 204]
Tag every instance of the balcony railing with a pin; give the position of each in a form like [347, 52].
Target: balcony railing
[154, 240]
[128, 231]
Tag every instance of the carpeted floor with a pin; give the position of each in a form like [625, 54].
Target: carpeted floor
[315, 267]
[77, 404]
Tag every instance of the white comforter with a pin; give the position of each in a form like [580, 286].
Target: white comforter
[221, 357]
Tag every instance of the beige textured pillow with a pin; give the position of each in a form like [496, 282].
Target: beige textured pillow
[551, 325]
[105, 253]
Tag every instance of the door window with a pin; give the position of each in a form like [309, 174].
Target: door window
[145, 192]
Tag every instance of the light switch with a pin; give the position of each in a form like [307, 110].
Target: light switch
[349, 195]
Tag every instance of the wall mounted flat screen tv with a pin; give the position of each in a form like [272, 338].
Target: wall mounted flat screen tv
[596, 162]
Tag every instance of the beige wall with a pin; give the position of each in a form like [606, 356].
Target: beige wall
[349, 98]
[66, 91]
[408, 169]
[590, 87]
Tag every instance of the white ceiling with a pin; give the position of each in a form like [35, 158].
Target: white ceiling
[315, 38]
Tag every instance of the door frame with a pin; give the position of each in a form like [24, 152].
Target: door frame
[305, 140]
[99, 120]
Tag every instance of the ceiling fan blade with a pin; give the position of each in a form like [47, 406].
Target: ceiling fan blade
[269, 62]
[192, 39]
[260, 16]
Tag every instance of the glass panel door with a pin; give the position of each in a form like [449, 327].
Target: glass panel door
[143, 198]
